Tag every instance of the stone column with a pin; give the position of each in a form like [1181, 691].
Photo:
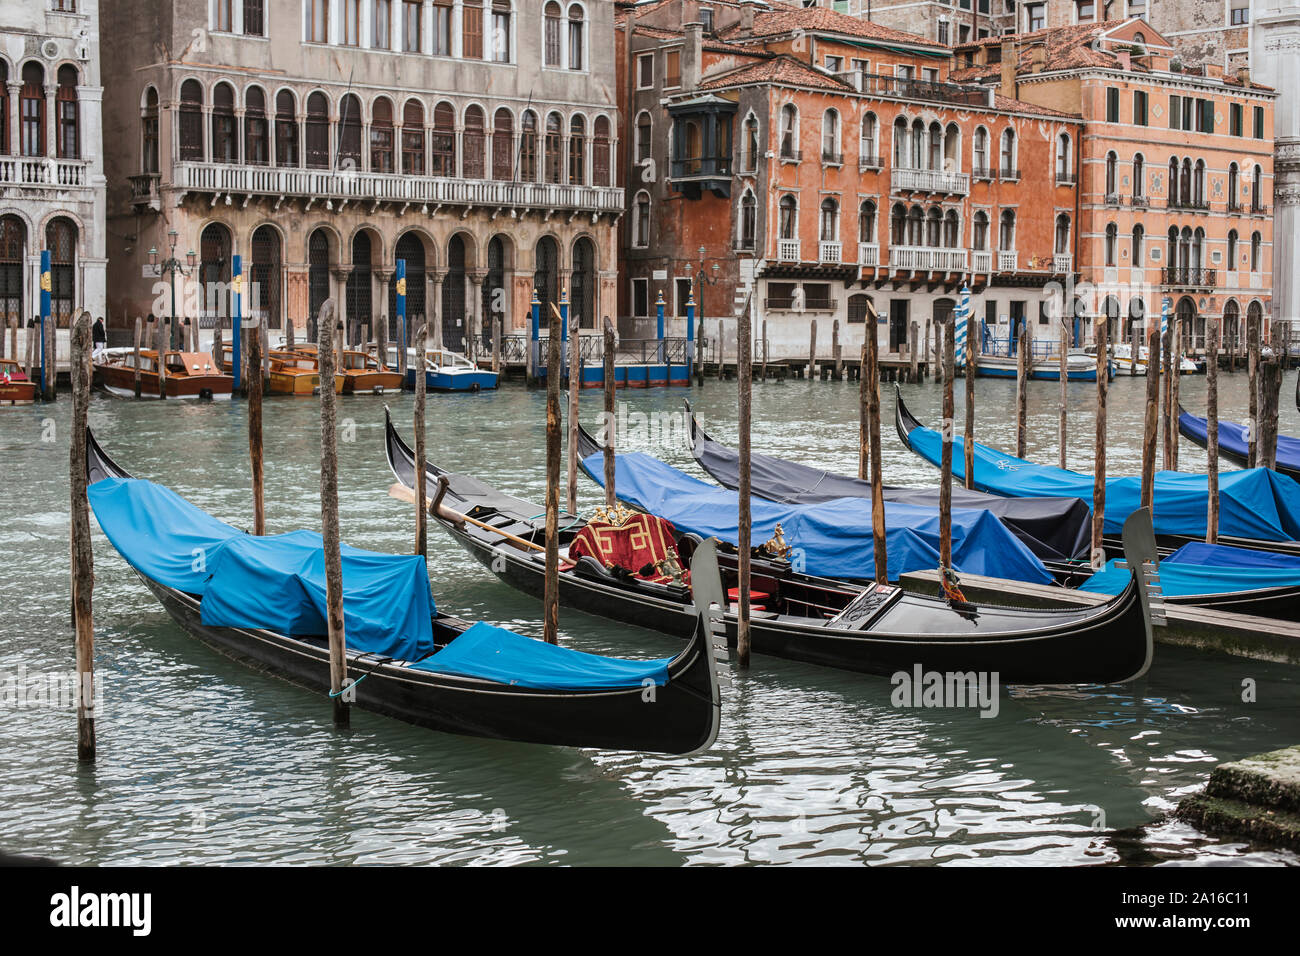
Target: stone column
[51, 120]
[475, 314]
[433, 308]
[15, 132]
[1274, 49]
[341, 275]
[384, 276]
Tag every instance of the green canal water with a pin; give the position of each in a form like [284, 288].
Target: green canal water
[202, 760]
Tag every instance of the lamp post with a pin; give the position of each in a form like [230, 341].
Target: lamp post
[170, 267]
[701, 280]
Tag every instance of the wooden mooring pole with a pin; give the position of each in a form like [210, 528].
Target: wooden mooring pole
[1150, 424]
[1252, 375]
[83, 561]
[255, 429]
[1175, 379]
[329, 512]
[812, 351]
[1099, 447]
[575, 384]
[837, 353]
[971, 362]
[864, 430]
[136, 357]
[914, 358]
[871, 375]
[1023, 366]
[1270, 387]
[551, 590]
[1212, 428]
[421, 338]
[1064, 367]
[611, 423]
[945, 460]
[744, 377]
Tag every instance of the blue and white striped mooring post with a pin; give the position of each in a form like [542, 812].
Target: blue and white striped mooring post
[400, 279]
[45, 317]
[963, 314]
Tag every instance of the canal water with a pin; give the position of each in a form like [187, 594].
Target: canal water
[202, 760]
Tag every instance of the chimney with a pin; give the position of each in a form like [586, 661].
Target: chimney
[1038, 57]
[692, 54]
[1125, 58]
[1243, 76]
[747, 19]
[1010, 61]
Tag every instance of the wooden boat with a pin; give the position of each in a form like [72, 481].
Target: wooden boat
[188, 375]
[598, 710]
[877, 629]
[1080, 367]
[303, 358]
[15, 387]
[292, 373]
[363, 375]
[1122, 355]
[1234, 444]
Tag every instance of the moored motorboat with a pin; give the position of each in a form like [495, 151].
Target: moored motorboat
[363, 375]
[447, 371]
[293, 373]
[1080, 367]
[183, 374]
[15, 387]
[261, 600]
[870, 628]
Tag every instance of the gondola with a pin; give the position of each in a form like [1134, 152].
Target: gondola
[869, 628]
[1055, 529]
[1258, 508]
[493, 684]
[1234, 445]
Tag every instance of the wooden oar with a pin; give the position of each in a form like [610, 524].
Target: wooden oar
[403, 493]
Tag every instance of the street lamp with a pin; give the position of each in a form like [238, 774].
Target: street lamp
[170, 267]
[702, 279]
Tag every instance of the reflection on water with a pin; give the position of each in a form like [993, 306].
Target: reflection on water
[204, 760]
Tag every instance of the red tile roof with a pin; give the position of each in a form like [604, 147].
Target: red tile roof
[822, 20]
[783, 69]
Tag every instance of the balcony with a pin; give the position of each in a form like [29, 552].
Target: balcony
[832, 157]
[1008, 260]
[1188, 204]
[790, 155]
[694, 174]
[981, 260]
[42, 172]
[1263, 211]
[869, 161]
[787, 250]
[868, 254]
[1234, 205]
[1066, 179]
[984, 172]
[929, 181]
[910, 89]
[350, 185]
[1009, 174]
[927, 259]
[829, 251]
[144, 190]
[1062, 263]
[1113, 199]
[1139, 202]
[1188, 277]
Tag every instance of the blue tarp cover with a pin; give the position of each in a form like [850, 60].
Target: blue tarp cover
[1233, 438]
[1198, 568]
[835, 536]
[1253, 503]
[500, 655]
[277, 582]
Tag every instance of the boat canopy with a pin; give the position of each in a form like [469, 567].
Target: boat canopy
[276, 582]
[1199, 568]
[1052, 528]
[833, 538]
[1234, 440]
[1253, 503]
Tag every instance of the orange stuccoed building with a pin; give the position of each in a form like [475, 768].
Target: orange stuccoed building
[812, 162]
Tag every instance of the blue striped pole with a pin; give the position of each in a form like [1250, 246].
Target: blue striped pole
[659, 333]
[236, 318]
[564, 334]
[45, 315]
[535, 349]
[963, 314]
[401, 317]
[690, 334]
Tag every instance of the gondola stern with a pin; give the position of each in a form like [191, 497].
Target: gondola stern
[1142, 557]
[710, 639]
[904, 420]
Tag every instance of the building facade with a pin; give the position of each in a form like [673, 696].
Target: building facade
[325, 140]
[52, 186]
[1275, 52]
[1176, 170]
[812, 162]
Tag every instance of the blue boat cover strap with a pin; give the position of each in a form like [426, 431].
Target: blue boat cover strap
[1197, 568]
[1253, 503]
[493, 653]
[833, 538]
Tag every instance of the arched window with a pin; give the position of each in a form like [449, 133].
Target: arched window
[381, 136]
[980, 231]
[69, 139]
[4, 110]
[1256, 247]
[1007, 230]
[318, 271]
[933, 227]
[935, 160]
[191, 121]
[1231, 325]
[582, 284]
[31, 117]
[225, 142]
[831, 137]
[600, 152]
[1198, 184]
[413, 138]
[214, 272]
[867, 221]
[577, 150]
[901, 150]
[357, 295]
[12, 240]
[980, 151]
[1139, 234]
[266, 276]
[148, 129]
[546, 277]
[1063, 159]
[1256, 187]
[286, 129]
[644, 130]
[318, 132]
[915, 226]
[869, 148]
[898, 225]
[577, 34]
[1062, 234]
[641, 220]
[749, 145]
[554, 136]
[257, 146]
[1173, 180]
[1231, 261]
[951, 229]
[1139, 176]
[1234, 187]
[1008, 155]
[528, 147]
[349, 132]
[503, 145]
[1112, 236]
[748, 220]
[442, 148]
[917, 141]
[410, 249]
[830, 220]
[952, 148]
[788, 218]
[789, 131]
[472, 144]
[1185, 183]
[551, 35]
[61, 240]
[1112, 170]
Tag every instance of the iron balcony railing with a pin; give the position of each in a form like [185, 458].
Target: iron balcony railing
[701, 166]
[1189, 204]
[912, 89]
[1189, 277]
[869, 161]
